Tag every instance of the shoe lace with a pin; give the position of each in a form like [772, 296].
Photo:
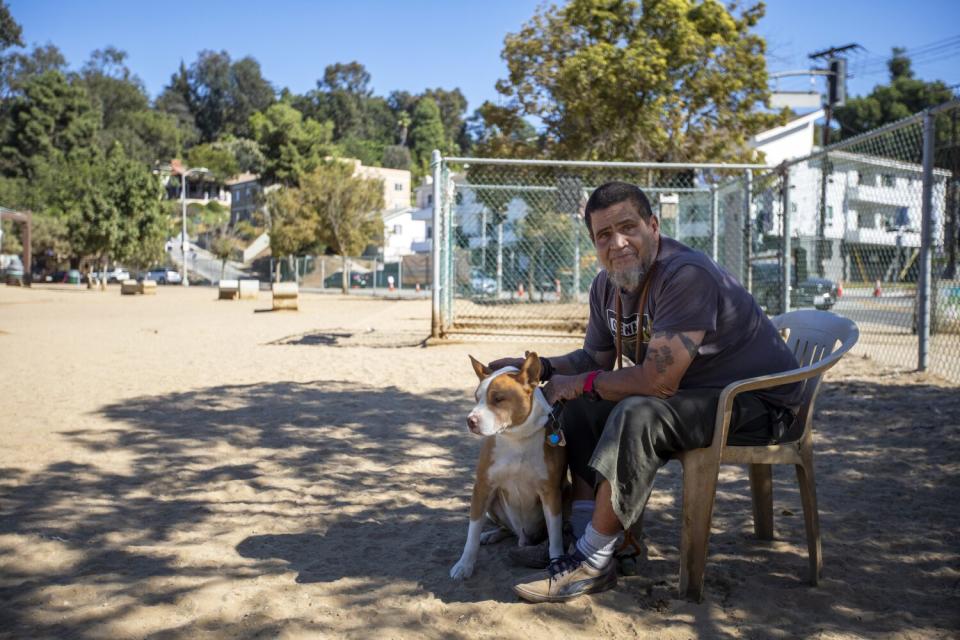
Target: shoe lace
[562, 564]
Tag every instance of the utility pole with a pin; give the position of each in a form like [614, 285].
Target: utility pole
[836, 96]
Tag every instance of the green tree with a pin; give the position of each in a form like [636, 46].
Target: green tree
[125, 115]
[112, 86]
[149, 136]
[452, 106]
[176, 100]
[291, 223]
[662, 80]
[52, 119]
[291, 146]
[17, 68]
[343, 97]
[903, 96]
[397, 156]
[426, 133]
[224, 94]
[247, 153]
[218, 159]
[223, 246]
[10, 31]
[347, 208]
[116, 213]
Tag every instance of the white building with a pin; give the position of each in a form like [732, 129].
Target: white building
[872, 202]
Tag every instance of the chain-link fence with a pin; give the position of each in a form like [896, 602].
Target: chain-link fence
[409, 274]
[516, 253]
[866, 224]
[515, 257]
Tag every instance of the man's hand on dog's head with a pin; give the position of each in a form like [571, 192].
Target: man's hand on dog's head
[496, 365]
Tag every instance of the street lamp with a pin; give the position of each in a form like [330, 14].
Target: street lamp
[183, 232]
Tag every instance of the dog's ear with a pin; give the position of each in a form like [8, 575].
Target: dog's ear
[481, 369]
[530, 370]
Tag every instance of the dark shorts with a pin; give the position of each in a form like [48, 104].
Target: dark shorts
[626, 442]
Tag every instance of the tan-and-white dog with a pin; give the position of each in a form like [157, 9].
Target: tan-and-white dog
[519, 476]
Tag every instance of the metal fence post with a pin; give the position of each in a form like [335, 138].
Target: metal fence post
[926, 239]
[748, 228]
[785, 243]
[499, 259]
[435, 247]
[715, 222]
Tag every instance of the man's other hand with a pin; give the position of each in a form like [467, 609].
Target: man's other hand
[564, 387]
[506, 362]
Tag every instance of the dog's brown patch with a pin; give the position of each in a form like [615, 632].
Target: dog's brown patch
[510, 400]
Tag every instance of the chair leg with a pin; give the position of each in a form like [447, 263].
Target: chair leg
[761, 486]
[699, 491]
[811, 516]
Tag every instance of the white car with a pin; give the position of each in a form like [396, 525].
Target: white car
[482, 283]
[117, 274]
[164, 276]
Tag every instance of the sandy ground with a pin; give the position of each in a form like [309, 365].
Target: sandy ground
[178, 467]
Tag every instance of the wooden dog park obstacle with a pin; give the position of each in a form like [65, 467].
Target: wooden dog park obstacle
[249, 289]
[229, 289]
[285, 296]
[239, 289]
[133, 287]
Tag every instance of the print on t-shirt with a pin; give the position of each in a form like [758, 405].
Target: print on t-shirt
[629, 325]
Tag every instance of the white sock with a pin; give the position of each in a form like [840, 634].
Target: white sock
[581, 514]
[597, 548]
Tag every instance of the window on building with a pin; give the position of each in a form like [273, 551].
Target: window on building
[398, 229]
[429, 233]
[430, 199]
[793, 207]
[398, 186]
[829, 215]
[887, 180]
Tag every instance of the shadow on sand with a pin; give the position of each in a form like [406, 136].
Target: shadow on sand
[370, 500]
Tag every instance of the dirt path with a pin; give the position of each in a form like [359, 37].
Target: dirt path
[177, 467]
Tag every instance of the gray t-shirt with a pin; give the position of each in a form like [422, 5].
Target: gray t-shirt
[691, 292]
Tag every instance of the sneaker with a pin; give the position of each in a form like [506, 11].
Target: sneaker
[567, 577]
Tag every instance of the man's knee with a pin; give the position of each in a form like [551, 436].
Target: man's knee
[639, 416]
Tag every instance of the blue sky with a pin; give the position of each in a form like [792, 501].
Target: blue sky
[416, 44]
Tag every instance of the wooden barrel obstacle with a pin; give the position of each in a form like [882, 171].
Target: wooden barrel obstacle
[229, 290]
[249, 289]
[285, 296]
[129, 287]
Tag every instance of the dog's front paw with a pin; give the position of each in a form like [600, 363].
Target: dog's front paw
[463, 569]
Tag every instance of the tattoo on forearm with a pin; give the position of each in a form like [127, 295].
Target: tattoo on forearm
[662, 358]
[581, 361]
[687, 343]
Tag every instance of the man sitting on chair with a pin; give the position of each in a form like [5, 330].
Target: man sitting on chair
[689, 329]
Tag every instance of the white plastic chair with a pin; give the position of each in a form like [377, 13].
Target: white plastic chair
[818, 339]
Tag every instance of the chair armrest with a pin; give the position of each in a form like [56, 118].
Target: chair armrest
[732, 390]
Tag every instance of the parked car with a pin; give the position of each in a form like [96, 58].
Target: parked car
[820, 293]
[13, 274]
[482, 283]
[72, 276]
[164, 276]
[117, 274]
